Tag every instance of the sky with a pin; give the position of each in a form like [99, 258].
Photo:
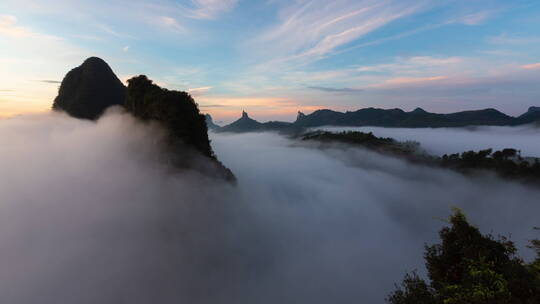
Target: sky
[273, 58]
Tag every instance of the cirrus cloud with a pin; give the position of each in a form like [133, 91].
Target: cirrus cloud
[532, 66]
[209, 9]
[310, 29]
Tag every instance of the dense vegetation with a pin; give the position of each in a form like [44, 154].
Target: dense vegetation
[89, 89]
[175, 110]
[178, 113]
[366, 140]
[506, 163]
[470, 268]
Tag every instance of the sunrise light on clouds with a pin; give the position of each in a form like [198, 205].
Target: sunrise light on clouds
[274, 58]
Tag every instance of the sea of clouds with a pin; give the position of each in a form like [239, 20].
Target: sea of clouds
[439, 141]
[89, 213]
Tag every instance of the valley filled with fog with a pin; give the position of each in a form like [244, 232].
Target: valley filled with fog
[89, 214]
[440, 141]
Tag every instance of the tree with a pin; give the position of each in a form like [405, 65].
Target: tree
[179, 116]
[470, 268]
[176, 110]
[413, 290]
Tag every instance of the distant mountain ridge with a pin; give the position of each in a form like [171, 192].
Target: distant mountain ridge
[397, 118]
[247, 124]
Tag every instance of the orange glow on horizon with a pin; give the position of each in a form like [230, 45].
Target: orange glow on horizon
[6, 112]
[231, 115]
[264, 109]
[20, 106]
[225, 109]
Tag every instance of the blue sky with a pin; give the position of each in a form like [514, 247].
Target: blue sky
[276, 57]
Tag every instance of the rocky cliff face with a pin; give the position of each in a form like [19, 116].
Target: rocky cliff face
[89, 89]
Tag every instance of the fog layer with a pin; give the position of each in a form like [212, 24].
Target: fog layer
[90, 214]
[441, 141]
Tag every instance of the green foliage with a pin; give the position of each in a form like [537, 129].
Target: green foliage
[366, 140]
[506, 163]
[535, 266]
[470, 268]
[413, 290]
[480, 284]
[89, 89]
[177, 111]
[348, 136]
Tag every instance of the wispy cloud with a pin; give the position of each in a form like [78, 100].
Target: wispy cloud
[413, 64]
[198, 91]
[209, 9]
[532, 66]
[252, 101]
[50, 81]
[475, 18]
[513, 39]
[335, 90]
[500, 52]
[311, 29]
[517, 88]
[396, 82]
[109, 30]
[169, 23]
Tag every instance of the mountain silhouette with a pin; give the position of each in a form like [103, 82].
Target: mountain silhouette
[89, 89]
[531, 116]
[244, 124]
[210, 123]
[396, 118]
[418, 118]
[247, 124]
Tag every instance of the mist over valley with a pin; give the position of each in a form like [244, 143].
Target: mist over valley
[269, 152]
[104, 219]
